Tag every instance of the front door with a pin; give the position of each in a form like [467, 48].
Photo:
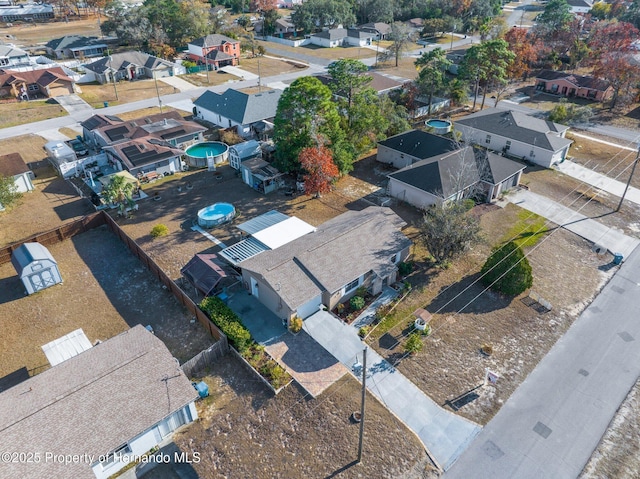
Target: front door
[254, 288]
[41, 280]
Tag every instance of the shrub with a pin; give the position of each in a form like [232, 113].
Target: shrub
[568, 113]
[295, 324]
[230, 137]
[507, 270]
[159, 230]
[486, 349]
[361, 291]
[356, 303]
[426, 331]
[228, 322]
[413, 344]
[405, 268]
[363, 331]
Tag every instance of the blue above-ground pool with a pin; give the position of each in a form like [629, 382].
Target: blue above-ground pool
[196, 155]
[439, 127]
[216, 214]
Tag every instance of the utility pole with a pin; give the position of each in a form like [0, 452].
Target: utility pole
[113, 76]
[633, 169]
[364, 395]
[206, 57]
[259, 78]
[157, 91]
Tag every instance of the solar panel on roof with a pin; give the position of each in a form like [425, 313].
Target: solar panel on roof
[117, 133]
[173, 133]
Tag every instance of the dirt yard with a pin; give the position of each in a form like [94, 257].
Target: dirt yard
[41, 33]
[246, 432]
[96, 94]
[21, 112]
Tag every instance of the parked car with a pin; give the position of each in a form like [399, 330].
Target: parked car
[79, 147]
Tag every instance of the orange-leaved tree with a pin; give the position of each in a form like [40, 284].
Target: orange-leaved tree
[320, 170]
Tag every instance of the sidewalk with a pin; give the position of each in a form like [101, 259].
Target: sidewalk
[444, 434]
[599, 180]
[575, 222]
[552, 423]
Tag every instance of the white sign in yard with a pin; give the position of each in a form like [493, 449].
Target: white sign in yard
[490, 377]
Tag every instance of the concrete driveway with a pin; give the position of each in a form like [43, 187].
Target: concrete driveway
[73, 104]
[308, 363]
[577, 223]
[444, 434]
[552, 423]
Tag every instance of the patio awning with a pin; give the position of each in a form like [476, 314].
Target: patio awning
[204, 272]
[105, 180]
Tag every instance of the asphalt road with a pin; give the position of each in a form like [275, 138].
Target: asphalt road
[553, 422]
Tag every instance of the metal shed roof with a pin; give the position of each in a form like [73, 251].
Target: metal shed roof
[66, 347]
[263, 221]
[242, 250]
[283, 232]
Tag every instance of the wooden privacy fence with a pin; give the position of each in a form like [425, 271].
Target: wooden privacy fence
[99, 218]
[203, 359]
[61, 233]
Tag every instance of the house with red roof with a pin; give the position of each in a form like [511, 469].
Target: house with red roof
[572, 85]
[27, 85]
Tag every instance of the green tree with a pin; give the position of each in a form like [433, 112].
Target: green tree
[270, 17]
[119, 191]
[322, 13]
[507, 270]
[555, 17]
[348, 77]
[448, 230]
[432, 66]
[244, 21]
[306, 116]
[601, 10]
[9, 193]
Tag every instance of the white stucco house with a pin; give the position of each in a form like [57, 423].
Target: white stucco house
[109, 403]
[515, 134]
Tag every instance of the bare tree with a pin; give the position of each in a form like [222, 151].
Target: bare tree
[402, 36]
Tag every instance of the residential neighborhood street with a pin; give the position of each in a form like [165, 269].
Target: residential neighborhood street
[553, 422]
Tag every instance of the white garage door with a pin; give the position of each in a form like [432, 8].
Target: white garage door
[310, 307]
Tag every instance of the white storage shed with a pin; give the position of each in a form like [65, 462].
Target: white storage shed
[36, 267]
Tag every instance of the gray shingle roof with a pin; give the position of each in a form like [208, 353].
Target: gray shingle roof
[339, 251]
[518, 126]
[118, 61]
[10, 51]
[448, 173]
[242, 108]
[91, 403]
[333, 34]
[212, 40]
[420, 144]
[581, 81]
[73, 41]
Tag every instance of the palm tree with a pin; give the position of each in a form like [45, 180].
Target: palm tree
[119, 191]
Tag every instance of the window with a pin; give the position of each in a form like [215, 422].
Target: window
[34, 87]
[4, 61]
[487, 139]
[508, 145]
[351, 286]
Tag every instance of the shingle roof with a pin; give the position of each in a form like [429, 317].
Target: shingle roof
[518, 126]
[43, 77]
[212, 40]
[419, 144]
[10, 51]
[581, 81]
[242, 108]
[12, 164]
[454, 171]
[118, 61]
[73, 41]
[333, 34]
[91, 404]
[382, 28]
[339, 251]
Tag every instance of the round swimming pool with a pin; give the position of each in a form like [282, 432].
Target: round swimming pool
[439, 127]
[216, 214]
[199, 154]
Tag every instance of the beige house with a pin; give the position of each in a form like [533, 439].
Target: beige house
[326, 267]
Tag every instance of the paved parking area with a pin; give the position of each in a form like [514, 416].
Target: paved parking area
[308, 363]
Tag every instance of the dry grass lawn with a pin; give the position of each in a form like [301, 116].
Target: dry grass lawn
[41, 33]
[96, 94]
[30, 147]
[19, 113]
